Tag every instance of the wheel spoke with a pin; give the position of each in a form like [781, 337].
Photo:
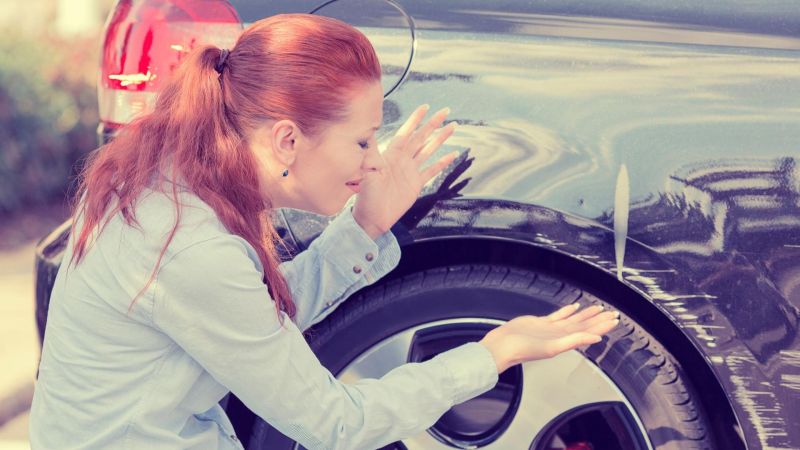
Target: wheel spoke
[550, 388]
[379, 360]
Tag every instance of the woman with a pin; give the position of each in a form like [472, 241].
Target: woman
[172, 294]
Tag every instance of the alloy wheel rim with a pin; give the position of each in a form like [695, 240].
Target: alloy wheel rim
[550, 392]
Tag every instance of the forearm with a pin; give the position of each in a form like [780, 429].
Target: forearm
[411, 398]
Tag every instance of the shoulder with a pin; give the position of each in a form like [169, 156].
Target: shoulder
[201, 237]
[217, 254]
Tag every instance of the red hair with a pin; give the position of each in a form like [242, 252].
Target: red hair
[299, 67]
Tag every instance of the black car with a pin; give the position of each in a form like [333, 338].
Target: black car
[636, 154]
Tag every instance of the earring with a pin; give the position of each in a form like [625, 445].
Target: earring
[286, 173]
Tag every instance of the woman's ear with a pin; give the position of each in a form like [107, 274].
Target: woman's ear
[284, 134]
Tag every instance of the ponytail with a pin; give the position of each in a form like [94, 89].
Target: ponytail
[296, 66]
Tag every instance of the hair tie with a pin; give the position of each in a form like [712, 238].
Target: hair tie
[223, 55]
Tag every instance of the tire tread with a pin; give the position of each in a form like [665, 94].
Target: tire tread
[630, 341]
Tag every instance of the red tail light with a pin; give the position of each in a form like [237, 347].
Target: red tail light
[144, 42]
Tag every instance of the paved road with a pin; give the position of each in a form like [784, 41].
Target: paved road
[19, 344]
[14, 434]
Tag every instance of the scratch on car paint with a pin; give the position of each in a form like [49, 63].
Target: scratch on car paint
[695, 326]
[791, 358]
[651, 284]
[655, 291]
[673, 303]
[761, 405]
[652, 270]
[621, 210]
[542, 239]
[702, 332]
[790, 381]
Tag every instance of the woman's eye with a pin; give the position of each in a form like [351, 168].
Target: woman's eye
[364, 145]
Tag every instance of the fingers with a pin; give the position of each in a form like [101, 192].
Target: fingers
[571, 342]
[585, 314]
[594, 321]
[412, 140]
[411, 124]
[602, 327]
[432, 170]
[601, 317]
[435, 143]
[563, 312]
[419, 138]
[599, 324]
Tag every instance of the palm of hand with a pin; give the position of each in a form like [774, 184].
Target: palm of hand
[388, 193]
[394, 180]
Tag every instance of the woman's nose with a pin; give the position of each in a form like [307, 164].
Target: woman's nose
[373, 160]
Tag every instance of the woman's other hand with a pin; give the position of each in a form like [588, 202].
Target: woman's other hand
[393, 179]
[528, 338]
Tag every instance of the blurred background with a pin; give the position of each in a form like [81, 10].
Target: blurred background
[49, 60]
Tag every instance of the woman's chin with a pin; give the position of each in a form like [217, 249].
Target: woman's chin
[324, 209]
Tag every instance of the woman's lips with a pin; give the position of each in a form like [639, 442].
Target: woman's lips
[356, 187]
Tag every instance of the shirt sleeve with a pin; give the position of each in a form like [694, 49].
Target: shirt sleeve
[210, 300]
[339, 262]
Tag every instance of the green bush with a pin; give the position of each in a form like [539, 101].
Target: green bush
[48, 117]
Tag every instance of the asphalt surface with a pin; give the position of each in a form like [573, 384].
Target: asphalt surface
[19, 345]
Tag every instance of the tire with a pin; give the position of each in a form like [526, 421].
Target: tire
[654, 393]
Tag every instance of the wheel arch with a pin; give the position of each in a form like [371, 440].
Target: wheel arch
[446, 250]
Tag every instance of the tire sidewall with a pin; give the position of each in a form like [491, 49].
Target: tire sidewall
[648, 376]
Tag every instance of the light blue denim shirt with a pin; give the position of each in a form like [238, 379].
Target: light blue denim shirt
[152, 378]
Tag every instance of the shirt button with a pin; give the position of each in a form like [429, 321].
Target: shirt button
[369, 256]
[357, 269]
[329, 304]
[233, 437]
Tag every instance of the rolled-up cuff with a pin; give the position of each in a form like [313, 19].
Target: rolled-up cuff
[349, 248]
[388, 257]
[354, 254]
[472, 368]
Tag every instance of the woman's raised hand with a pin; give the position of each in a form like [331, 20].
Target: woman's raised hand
[528, 338]
[393, 179]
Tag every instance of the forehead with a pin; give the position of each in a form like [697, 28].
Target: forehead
[366, 106]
